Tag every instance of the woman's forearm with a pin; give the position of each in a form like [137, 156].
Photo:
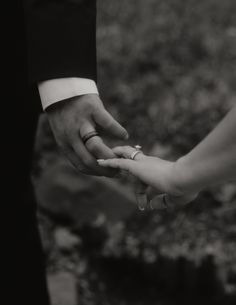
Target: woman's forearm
[213, 160]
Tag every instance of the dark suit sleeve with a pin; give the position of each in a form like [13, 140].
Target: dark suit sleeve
[61, 37]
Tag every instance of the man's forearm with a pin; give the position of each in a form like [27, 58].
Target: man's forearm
[213, 160]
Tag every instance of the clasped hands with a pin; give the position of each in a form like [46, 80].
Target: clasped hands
[155, 178]
[74, 123]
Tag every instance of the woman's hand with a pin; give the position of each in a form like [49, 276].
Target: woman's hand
[160, 175]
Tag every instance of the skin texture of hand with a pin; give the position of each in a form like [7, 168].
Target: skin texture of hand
[159, 176]
[71, 119]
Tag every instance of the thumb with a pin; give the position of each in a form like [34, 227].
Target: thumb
[108, 123]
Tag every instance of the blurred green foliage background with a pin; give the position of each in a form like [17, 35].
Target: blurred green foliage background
[167, 73]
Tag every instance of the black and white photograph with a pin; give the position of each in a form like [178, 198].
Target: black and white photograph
[119, 143]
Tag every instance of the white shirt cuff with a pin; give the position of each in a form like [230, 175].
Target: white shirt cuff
[55, 90]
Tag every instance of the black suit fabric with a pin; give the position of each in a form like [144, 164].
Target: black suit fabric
[61, 38]
[46, 40]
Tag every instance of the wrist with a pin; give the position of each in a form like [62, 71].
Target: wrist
[184, 177]
[89, 100]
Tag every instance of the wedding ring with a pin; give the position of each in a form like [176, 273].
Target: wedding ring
[134, 154]
[89, 135]
[137, 151]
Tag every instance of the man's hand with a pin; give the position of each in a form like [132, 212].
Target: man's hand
[73, 119]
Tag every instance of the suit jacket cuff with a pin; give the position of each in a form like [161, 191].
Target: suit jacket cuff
[55, 90]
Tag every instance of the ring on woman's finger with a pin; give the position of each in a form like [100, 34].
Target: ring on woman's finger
[136, 152]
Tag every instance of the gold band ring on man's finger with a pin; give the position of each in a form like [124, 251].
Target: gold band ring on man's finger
[89, 135]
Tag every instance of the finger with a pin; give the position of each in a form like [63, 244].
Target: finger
[140, 194]
[122, 164]
[157, 203]
[126, 152]
[108, 123]
[142, 201]
[98, 148]
[139, 187]
[170, 202]
[86, 128]
[152, 193]
[83, 154]
[89, 161]
[72, 157]
[179, 201]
